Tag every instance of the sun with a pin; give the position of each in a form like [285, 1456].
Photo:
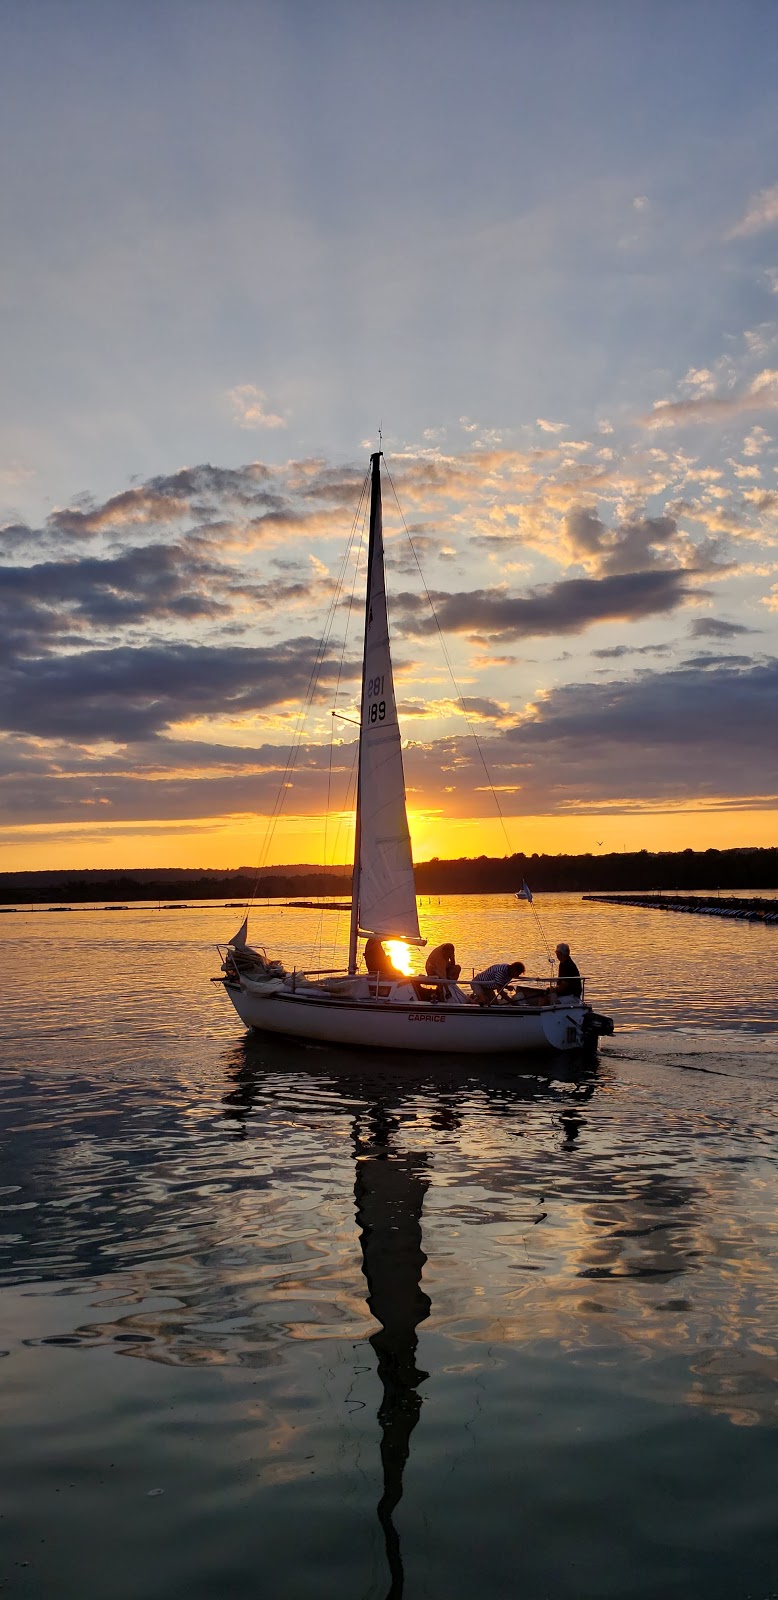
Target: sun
[399, 954]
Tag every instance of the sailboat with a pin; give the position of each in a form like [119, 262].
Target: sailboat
[371, 1010]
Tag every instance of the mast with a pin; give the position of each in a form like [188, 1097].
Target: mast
[375, 502]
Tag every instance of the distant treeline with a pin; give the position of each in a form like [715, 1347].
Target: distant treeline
[60, 889]
[641, 870]
[677, 869]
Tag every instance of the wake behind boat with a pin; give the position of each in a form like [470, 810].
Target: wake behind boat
[376, 1011]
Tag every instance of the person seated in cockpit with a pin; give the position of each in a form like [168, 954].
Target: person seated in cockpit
[378, 963]
[569, 980]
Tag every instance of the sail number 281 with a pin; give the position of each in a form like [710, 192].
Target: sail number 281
[377, 708]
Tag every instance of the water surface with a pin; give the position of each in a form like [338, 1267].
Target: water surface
[289, 1321]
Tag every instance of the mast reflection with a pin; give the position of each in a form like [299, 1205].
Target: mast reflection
[389, 1190]
[389, 1193]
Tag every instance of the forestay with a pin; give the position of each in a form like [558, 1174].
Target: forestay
[387, 895]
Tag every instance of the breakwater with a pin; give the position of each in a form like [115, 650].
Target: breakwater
[703, 905]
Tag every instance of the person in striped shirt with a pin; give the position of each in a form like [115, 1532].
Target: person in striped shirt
[488, 984]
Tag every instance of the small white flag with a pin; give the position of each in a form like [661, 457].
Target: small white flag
[524, 893]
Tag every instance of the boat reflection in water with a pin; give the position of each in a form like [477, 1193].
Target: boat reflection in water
[389, 1193]
[389, 1190]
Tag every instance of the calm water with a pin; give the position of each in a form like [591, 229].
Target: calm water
[283, 1321]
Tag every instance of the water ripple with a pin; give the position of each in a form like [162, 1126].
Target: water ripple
[268, 1305]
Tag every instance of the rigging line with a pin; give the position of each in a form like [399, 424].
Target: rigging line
[320, 653]
[542, 932]
[349, 803]
[312, 683]
[460, 698]
[294, 749]
[447, 659]
[349, 614]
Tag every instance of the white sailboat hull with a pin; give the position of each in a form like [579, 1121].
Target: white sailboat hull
[443, 1029]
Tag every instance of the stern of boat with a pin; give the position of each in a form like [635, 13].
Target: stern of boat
[575, 1027]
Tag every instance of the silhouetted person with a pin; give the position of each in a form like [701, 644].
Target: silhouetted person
[491, 982]
[378, 963]
[442, 963]
[569, 981]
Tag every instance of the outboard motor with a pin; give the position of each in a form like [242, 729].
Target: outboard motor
[595, 1026]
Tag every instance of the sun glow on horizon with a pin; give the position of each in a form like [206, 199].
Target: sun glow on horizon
[223, 843]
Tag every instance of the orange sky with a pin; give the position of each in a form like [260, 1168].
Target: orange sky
[237, 841]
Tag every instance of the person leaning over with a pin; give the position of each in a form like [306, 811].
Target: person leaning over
[569, 980]
[442, 963]
[488, 984]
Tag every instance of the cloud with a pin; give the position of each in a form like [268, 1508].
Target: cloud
[145, 505]
[761, 395]
[700, 380]
[566, 607]
[696, 735]
[617, 651]
[692, 736]
[716, 628]
[755, 441]
[60, 604]
[163, 779]
[479, 708]
[204, 502]
[685, 707]
[145, 583]
[762, 213]
[550, 427]
[634, 546]
[130, 693]
[197, 494]
[151, 624]
[249, 408]
[14, 473]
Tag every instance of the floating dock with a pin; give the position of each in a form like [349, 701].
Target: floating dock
[746, 909]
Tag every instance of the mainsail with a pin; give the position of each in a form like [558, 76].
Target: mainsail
[384, 868]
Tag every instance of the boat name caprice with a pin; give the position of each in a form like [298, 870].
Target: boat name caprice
[426, 1016]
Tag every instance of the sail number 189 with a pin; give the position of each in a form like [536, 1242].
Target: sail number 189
[377, 710]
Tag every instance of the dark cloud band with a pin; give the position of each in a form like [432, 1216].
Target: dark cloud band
[567, 607]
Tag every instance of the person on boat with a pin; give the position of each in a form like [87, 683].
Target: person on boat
[488, 984]
[442, 963]
[569, 980]
[378, 963]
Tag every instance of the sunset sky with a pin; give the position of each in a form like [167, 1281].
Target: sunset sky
[537, 244]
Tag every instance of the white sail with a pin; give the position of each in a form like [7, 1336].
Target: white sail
[387, 895]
